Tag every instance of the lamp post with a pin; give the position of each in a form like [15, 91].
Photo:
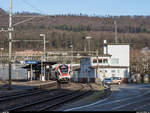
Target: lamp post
[43, 59]
[71, 46]
[88, 38]
[43, 35]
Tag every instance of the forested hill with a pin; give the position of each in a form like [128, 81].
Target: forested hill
[62, 30]
[77, 23]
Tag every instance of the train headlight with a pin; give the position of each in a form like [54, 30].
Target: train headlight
[47, 67]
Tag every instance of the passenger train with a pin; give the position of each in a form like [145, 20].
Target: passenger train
[61, 73]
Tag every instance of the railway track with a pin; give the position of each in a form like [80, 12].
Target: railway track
[15, 98]
[51, 102]
[16, 95]
[63, 100]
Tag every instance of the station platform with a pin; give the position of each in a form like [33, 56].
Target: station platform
[25, 85]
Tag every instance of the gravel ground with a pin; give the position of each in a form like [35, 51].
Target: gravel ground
[96, 94]
[29, 99]
[19, 86]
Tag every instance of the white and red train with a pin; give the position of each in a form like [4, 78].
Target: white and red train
[61, 73]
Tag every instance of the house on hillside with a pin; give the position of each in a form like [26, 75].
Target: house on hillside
[114, 62]
[29, 53]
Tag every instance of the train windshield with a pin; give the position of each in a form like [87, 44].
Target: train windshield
[63, 69]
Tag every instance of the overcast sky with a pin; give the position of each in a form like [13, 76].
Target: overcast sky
[90, 7]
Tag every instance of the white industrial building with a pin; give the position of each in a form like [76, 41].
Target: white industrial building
[114, 62]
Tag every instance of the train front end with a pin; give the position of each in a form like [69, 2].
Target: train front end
[64, 73]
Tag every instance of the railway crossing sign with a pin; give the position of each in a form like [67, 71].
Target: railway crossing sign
[31, 62]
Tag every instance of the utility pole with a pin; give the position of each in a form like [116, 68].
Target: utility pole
[116, 38]
[10, 41]
[97, 62]
[97, 69]
[10, 29]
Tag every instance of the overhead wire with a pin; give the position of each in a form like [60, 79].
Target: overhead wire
[32, 17]
[27, 3]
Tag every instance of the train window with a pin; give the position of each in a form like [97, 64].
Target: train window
[64, 70]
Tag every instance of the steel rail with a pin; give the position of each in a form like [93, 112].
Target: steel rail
[19, 92]
[23, 94]
[64, 100]
[63, 94]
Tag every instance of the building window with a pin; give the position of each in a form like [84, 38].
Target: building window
[105, 61]
[94, 61]
[100, 61]
[113, 71]
[115, 61]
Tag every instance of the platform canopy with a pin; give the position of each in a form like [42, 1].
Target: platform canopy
[38, 65]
